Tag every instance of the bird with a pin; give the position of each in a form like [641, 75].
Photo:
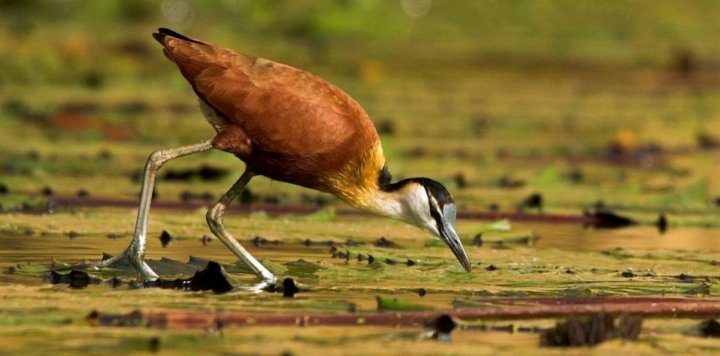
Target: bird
[291, 126]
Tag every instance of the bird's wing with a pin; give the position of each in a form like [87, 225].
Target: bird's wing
[280, 108]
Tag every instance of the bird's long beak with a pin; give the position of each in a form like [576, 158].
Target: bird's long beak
[451, 238]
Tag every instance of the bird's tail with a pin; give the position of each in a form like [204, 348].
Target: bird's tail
[162, 33]
[190, 55]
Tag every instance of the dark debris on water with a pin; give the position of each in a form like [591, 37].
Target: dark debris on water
[710, 328]
[165, 238]
[154, 344]
[259, 241]
[204, 173]
[443, 327]
[606, 219]
[592, 330]
[288, 288]
[477, 240]
[47, 191]
[524, 240]
[188, 196]
[383, 242]
[715, 201]
[211, 278]
[533, 201]
[309, 243]
[662, 223]
[133, 319]
[337, 253]
[75, 279]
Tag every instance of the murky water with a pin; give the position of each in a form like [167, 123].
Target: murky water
[567, 237]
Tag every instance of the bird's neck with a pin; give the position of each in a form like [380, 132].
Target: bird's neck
[359, 183]
[389, 204]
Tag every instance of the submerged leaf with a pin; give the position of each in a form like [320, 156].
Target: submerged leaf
[275, 268]
[302, 268]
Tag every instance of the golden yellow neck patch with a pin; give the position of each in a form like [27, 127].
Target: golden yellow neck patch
[357, 181]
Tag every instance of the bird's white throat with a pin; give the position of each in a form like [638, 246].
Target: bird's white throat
[409, 204]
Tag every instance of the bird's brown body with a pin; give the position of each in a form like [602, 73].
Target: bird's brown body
[284, 123]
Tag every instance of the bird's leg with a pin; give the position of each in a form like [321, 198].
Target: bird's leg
[215, 222]
[136, 251]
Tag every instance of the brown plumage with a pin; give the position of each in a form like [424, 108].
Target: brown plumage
[283, 122]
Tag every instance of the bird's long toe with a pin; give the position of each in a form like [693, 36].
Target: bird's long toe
[144, 271]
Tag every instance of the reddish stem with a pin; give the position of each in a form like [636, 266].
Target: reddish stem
[534, 308]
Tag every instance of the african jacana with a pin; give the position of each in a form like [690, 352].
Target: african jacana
[292, 126]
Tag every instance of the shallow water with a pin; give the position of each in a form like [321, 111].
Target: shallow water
[571, 237]
[36, 248]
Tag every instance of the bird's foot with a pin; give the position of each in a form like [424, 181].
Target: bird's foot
[257, 288]
[144, 271]
[267, 277]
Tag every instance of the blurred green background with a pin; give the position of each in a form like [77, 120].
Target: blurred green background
[582, 101]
